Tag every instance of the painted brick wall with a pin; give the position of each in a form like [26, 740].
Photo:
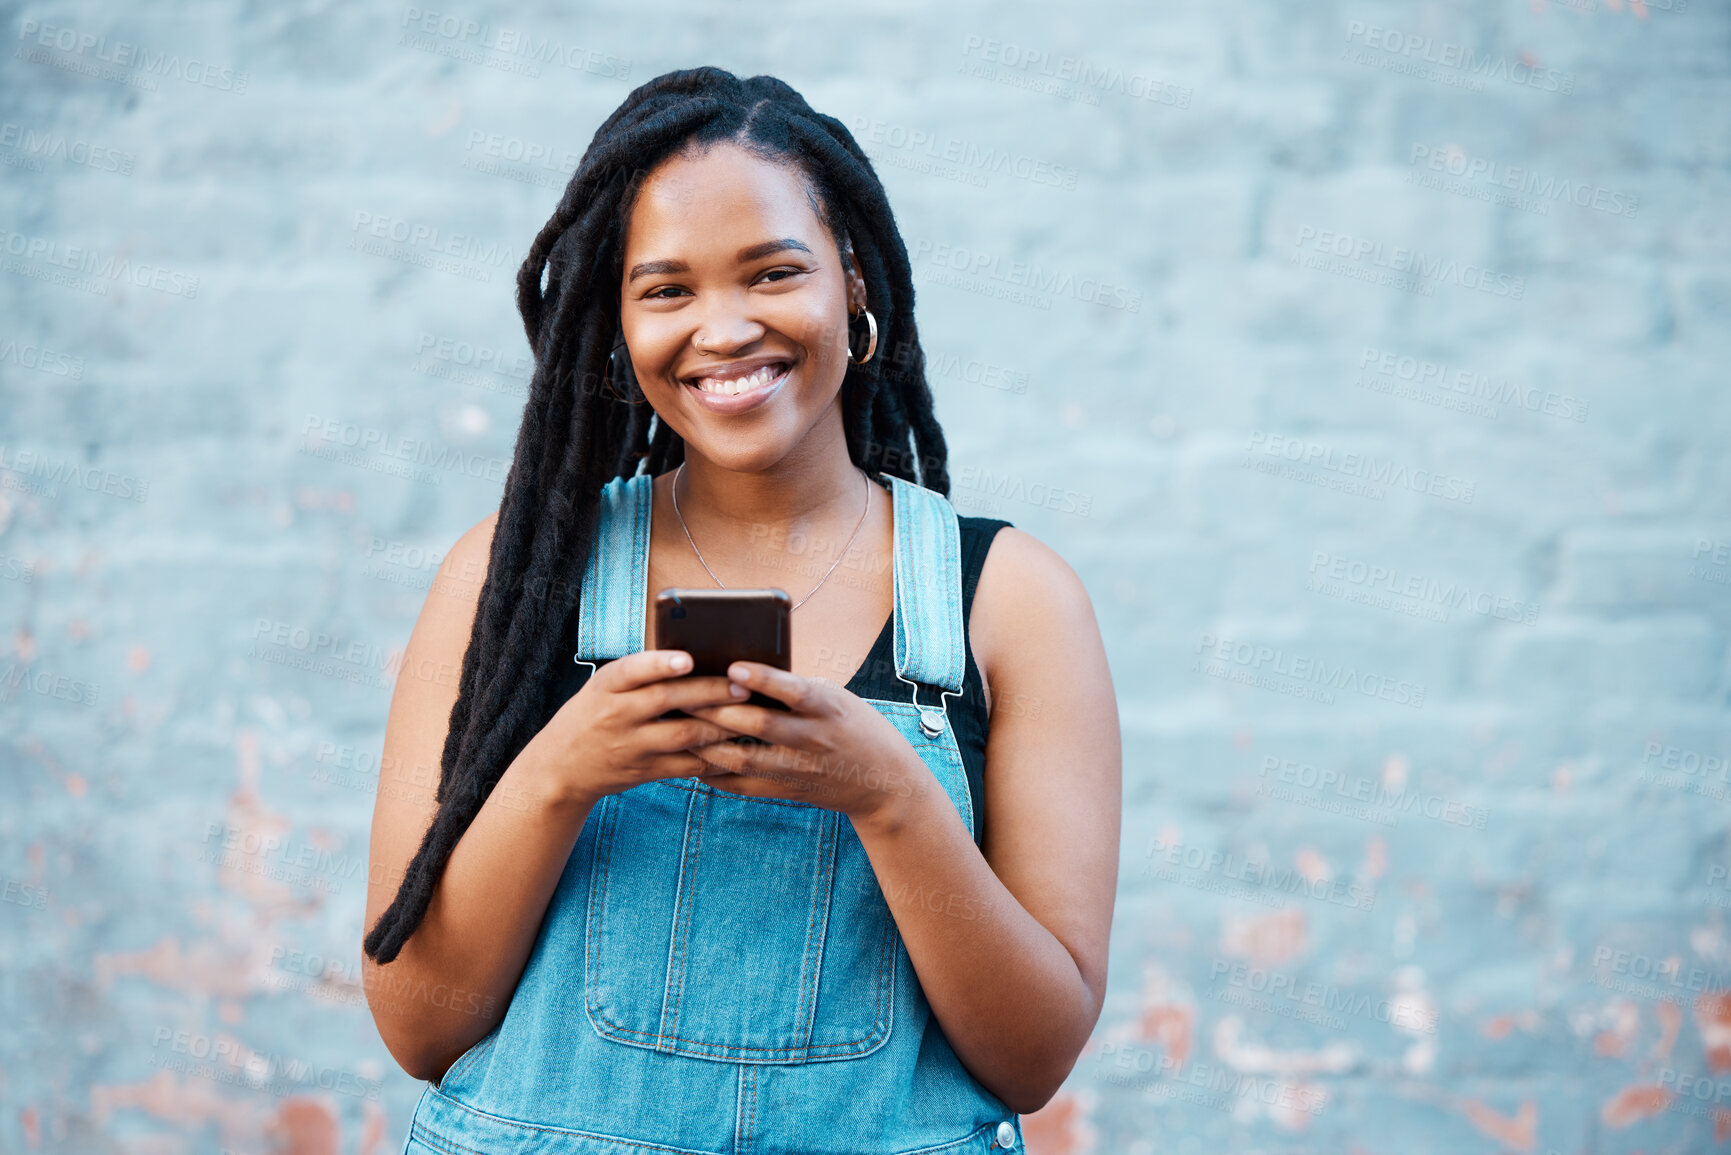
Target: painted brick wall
[1367, 361]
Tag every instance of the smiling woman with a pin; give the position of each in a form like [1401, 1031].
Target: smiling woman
[883, 926]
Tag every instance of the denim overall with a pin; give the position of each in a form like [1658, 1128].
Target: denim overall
[719, 974]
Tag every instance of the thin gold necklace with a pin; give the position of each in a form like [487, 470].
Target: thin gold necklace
[862, 517]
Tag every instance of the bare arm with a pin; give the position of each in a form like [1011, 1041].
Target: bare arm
[454, 978]
[455, 975]
[1011, 946]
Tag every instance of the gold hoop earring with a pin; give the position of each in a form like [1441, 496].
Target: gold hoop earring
[622, 374]
[871, 342]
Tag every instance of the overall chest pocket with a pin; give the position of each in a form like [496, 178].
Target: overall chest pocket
[726, 927]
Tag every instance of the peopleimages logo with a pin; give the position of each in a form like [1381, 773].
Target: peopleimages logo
[41, 359]
[1517, 179]
[1216, 1087]
[1646, 976]
[42, 474]
[1360, 467]
[471, 355]
[1018, 274]
[1372, 793]
[1373, 577]
[227, 1060]
[1283, 993]
[969, 157]
[562, 161]
[518, 46]
[83, 261]
[1424, 56]
[16, 677]
[1255, 875]
[1402, 260]
[124, 56]
[1469, 384]
[1222, 654]
[1087, 77]
[428, 246]
[1688, 761]
[46, 144]
[387, 452]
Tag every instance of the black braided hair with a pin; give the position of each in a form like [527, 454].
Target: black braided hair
[586, 421]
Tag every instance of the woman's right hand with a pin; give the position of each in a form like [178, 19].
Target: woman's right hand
[609, 736]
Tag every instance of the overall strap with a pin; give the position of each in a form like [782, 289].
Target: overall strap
[616, 581]
[929, 637]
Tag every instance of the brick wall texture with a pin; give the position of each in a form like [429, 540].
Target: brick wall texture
[1367, 360]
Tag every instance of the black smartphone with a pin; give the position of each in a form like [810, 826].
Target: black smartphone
[718, 627]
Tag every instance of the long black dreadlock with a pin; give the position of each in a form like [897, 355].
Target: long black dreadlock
[586, 421]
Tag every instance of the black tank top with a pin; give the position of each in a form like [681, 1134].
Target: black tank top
[876, 677]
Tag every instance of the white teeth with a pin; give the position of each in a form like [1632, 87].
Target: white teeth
[732, 387]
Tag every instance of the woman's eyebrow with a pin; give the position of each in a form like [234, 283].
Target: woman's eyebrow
[749, 253]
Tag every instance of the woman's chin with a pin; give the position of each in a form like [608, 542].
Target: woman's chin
[734, 457]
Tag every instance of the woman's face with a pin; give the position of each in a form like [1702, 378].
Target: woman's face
[734, 304]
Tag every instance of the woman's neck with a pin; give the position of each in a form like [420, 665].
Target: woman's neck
[795, 491]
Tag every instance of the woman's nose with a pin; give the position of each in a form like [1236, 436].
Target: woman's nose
[724, 328]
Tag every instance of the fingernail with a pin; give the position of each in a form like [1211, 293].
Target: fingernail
[737, 690]
[679, 663]
[739, 673]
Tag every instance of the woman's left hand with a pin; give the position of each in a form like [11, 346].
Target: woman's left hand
[828, 749]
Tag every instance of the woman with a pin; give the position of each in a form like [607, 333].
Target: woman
[616, 931]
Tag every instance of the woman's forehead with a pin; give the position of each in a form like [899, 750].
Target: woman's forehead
[717, 195]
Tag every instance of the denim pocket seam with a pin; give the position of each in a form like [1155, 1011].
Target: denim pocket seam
[969, 1140]
[425, 1134]
[596, 916]
[595, 924]
[470, 1057]
[705, 788]
[810, 970]
[683, 907]
[745, 1120]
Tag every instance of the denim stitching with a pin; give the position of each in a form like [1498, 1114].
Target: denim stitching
[718, 1050]
[754, 1085]
[745, 1128]
[739, 1109]
[623, 1033]
[434, 1139]
[420, 1132]
[598, 913]
[822, 888]
[930, 527]
[641, 514]
[889, 959]
[705, 788]
[883, 1022]
[469, 1058]
[969, 1139]
[683, 905]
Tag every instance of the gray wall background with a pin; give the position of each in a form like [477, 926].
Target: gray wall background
[1366, 359]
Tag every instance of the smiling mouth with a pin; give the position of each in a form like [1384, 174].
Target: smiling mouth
[762, 378]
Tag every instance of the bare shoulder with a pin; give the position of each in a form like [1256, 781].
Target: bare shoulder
[466, 563]
[477, 539]
[1021, 565]
[441, 633]
[1029, 600]
[427, 682]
